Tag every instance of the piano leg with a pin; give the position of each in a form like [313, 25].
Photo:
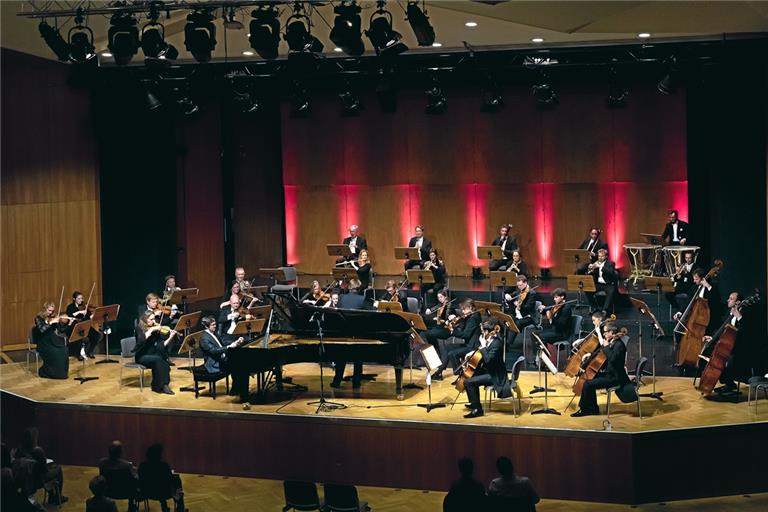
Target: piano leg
[399, 382]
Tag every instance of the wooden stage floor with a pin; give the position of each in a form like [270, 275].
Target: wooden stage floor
[681, 407]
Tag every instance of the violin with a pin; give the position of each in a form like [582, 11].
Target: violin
[60, 318]
[455, 321]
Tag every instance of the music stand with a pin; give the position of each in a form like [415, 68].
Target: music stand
[580, 283]
[423, 277]
[490, 253]
[507, 322]
[322, 404]
[417, 323]
[432, 361]
[343, 274]
[578, 255]
[181, 296]
[389, 306]
[338, 250]
[260, 312]
[104, 315]
[502, 278]
[249, 327]
[488, 307]
[646, 311]
[185, 323]
[271, 273]
[544, 355]
[80, 331]
[652, 238]
[257, 290]
[189, 344]
[407, 253]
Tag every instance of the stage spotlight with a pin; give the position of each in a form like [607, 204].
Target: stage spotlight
[384, 39]
[150, 98]
[299, 37]
[419, 21]
[265, 32]
[153, 43]
[187, 106]
[123, 37]
[300, 105]
[437, 103]
[492, 100]
[671, 81]
[53, 39]
[200, 35]
[81, 49]
[346, 32]
[350, 103]
[544, 92]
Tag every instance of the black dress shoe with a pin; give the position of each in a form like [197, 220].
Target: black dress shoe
[581, 412]
[167, 391]
[437, 376]
[474, 413]
[171, 363]
[335, 384]
[469, 406]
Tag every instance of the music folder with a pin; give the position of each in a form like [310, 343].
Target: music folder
[407, 253]
[338, 250]
[420, 276]
[188, 321]
[190, 342]
[181, 296]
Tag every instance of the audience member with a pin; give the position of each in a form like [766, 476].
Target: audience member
[99, 501]
[122, 479]
[11, 498]
[158, 481]
[38, 470]
[466, 492]
[513, 488]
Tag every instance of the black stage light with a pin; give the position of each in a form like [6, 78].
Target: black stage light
[123, 37]
[544, 92]
[53, 39]
[81, 49]
[200, 35]
[384, 39]
[617, 95]
[153, 43]
[437, 103]
[300, 105]
[419, 21]
[492, 100]
[386, 92]
[151, 100]
[299, 37]
[265, 32]
[671, 81]
[187, 106]
[350, 103]
[346, 32]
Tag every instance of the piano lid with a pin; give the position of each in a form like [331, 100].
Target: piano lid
[347, 322]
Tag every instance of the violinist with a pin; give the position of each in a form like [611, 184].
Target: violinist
[50, 336]
[559, 318]
[170, 286]
[152, 340]
[705, 290]
[683, 281]
[215, 352]
[234, 289]
[437, 266]
[316, 296]
[592, 244]
[676, 231]
[229, 316]
[393, 293]
[611, 374]
[241, 280]
[523, 305]
[437, 319]
[603, 271]
[517, 265]
[152, 305]
[422, 244]
[508, 244]
[492, 370]
[465, 327]
[355, 243]
[80, 311]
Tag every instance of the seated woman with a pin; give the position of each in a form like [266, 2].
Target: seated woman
[316, 296]
[517, 265]
[158, 481]
[50, 336]
[215, 352]
[235, 289]
[152, 341]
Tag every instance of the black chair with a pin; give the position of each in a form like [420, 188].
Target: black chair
[343, 498]
[127, 349]
[576, 321]
[513, 375]
[301, 496]
[200, 374]
[122, 486]
[636, 381]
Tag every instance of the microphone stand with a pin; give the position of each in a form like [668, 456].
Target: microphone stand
[322, 403]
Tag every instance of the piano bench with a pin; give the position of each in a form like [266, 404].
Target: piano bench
[200, 374]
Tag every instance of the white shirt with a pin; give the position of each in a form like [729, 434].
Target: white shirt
[600, 272]
[591, 245]
[674, 233]
[504, 243]
[353, 245]
[418, 242]
[215, 338]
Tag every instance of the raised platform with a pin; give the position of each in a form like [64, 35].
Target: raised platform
[683, 447]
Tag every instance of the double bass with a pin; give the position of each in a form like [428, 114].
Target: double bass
[721, 352]
[695, 320]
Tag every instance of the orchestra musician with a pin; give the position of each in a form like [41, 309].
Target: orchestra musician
[603, 271]
[676, 231]
[353, 299]
[437, 266]
[437, 324]
[559, 318]
[152, 304]
[77, 309]
[316, 296]
[392, 293]
[228, 318]
[524, 305]
[152, 340]
[708, 291]
[611, 374]
[516, 264]
[465, 327]
[507, 243]
[363, 268]
[492, 370]
[215, 353]
[683, 281]
[241, 280]
[234, 289]
[50, 336]
[421, 243]
[592, 244]
[170, 285]
[356, 244]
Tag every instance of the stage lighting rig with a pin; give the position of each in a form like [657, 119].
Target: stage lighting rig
[492, 100]
[53, 39]
[153, 42]
[617, 93]
[298, 32]
[384, 39]
[265, 32]
[671, 81]
[200, 35]
[350, 102]
[419, 21]
[346, 32]
[81, 49]
[123, 37]
[437, 102]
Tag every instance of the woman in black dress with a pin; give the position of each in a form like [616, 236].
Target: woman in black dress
[50, 336]
[151, 343]
[363, 268]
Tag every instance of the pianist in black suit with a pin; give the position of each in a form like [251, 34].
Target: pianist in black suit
[215, 353]
[676, 231]
[423, 245]
[592, 244]
[467, 328]
[355, 242]
[508, 244]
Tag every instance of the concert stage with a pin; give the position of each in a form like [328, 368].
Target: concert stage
[683, 447]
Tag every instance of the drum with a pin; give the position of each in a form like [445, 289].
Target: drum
[673, 256]
[640, 259]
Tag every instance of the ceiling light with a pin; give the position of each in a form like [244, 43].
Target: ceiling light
[53, 39]
[248, 53]
[471, 24]
[346, 33]
[265, 32]
[437, 45]
[419, 21]
[106, 54]
[384, 39]
[123, 37]
[644, 35]
[537, 40]
[200, 35]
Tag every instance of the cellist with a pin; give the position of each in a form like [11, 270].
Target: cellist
[492, 371]
[465, 327]
[611, 374]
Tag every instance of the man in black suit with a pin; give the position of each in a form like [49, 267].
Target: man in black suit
[468, 330]
[121, 476]
[591, 244]
[215, 352]
[684, 286]
[522, 310]
[603, 271]
[508, 244]
[228, 317]
[356, 244]
[611, 374]
[493, 371]
[709, 291]
[559, 316]
[676, 231]
[353, 299]
[423, 245]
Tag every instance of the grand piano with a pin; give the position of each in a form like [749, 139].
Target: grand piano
[348, 334]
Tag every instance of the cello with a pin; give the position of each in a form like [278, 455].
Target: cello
[695, 320]
[587, 346]
[721, 352]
